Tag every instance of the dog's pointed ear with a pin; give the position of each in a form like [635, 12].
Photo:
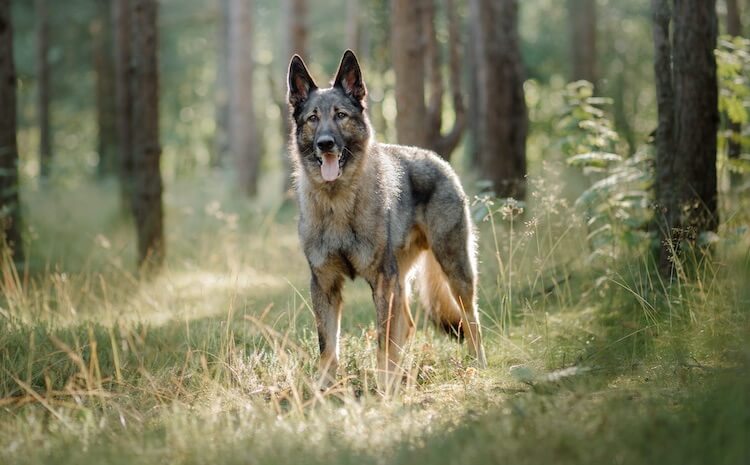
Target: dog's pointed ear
[299, 82]
[349, 77]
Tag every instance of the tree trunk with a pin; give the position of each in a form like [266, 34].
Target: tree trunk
[734, 28]
[295, 21]
[503, 120]
[43, 86]
[419, 123]
[582, 20]
[353, 25]
[696, 111]
[687, 97]
[104, 68]
[666, 180]
[124, 100]
[147, 188]
[409, 66]
[221, 141]
[244, 144]
[471, 143]
[10, 208]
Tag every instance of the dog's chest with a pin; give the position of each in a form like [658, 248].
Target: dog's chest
[347, 241]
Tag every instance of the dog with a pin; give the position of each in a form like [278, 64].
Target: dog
[381, 212]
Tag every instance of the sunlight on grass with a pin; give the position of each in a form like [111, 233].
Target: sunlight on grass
[215, 359]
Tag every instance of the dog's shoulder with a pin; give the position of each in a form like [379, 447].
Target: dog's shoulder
[423, 170]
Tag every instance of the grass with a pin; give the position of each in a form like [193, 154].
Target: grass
[212, 361]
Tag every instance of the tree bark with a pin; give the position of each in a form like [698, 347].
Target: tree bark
[582, 20]
[104, 68]
[472, 118]
[696, 111]
[409, 67]
[147, 188]
[503, 119]
[244, 144]
[10, 208]
[221, 141]
[43, 86]
[295, 21]
[124, 75]
[666, 186]
[687, 98]
[417, 54]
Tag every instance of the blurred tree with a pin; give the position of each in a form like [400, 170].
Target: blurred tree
[686, 84]
[147, 186]
[416, 54]
[353, 25]
[244, 142]
[582, 20]
[104, 68]
[295, 17]
[503, 119]
[43, 86]
[221, 143]
[734, 28]
[124, 100]
[10, 209]
[471, 141]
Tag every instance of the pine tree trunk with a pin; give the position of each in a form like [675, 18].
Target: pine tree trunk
[221, 142]
[696, 111]
[687, 97]
[417, 55]
[104, 68]
[147, 188]
[295, 22]
[124, 100]
[582, 20]
[43, 86]
[244, 142]
[10, 208]
[353, 25]
[503, 120]
[409, 65]
[666, 180]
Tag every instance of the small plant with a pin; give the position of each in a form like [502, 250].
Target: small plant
[733, 72]
[617, 203]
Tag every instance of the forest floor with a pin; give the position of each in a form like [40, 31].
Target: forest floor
[211, 361]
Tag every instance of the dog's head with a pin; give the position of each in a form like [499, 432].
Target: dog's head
[331, 130]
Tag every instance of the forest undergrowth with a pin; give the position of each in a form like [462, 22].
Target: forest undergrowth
[593, 358]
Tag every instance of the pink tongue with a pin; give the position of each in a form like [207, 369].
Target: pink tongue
[330, 168]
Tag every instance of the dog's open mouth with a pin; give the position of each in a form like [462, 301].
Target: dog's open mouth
[330, 169]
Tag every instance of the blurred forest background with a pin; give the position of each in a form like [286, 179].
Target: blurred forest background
[151, 274]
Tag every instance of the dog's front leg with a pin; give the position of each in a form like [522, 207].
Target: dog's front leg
[393, 329]
[327, 303]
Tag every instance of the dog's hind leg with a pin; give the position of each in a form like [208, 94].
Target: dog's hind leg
[453, 249]
[327, 304]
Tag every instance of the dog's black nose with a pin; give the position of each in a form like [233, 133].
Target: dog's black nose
[325, 143]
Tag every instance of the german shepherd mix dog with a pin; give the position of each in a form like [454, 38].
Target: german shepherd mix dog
[382, 212]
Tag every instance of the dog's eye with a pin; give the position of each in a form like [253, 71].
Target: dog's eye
[341, 115]
[312, 118]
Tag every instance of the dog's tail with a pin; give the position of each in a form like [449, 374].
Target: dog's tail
[437, 298]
